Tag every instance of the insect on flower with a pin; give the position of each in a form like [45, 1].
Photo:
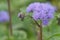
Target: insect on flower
[20, 15]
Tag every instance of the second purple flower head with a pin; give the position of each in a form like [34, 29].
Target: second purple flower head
[4, 16]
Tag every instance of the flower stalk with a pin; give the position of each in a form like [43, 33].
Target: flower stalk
[39, 33]
[10, 21]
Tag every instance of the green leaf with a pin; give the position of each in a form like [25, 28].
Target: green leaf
[58, 35]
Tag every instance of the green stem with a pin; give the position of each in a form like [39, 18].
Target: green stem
[41, 32]
[7, 31]
[40, 26]
[10, 21]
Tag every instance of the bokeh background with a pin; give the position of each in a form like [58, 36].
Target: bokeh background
[26, 30]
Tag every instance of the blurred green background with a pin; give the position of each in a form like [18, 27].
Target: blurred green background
[26, 30]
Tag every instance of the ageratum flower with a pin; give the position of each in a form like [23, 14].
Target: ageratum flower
[4, 16]
[31, 7]
[41, 11]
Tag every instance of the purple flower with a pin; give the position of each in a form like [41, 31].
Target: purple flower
[4, 16]
[31, 7]
[45, 22]
[42, 11]
[35, 15]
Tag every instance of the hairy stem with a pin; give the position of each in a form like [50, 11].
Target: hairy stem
[10, 21]
[7, 31]
[40, 30]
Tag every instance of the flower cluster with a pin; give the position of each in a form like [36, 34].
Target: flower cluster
[41, 11]
[4, 16]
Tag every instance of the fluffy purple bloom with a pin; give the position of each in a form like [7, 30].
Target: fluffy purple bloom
[42, 11]
[31, 7]
[4, 16]
[45, 22]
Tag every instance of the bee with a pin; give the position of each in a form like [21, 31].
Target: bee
[21, 16]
